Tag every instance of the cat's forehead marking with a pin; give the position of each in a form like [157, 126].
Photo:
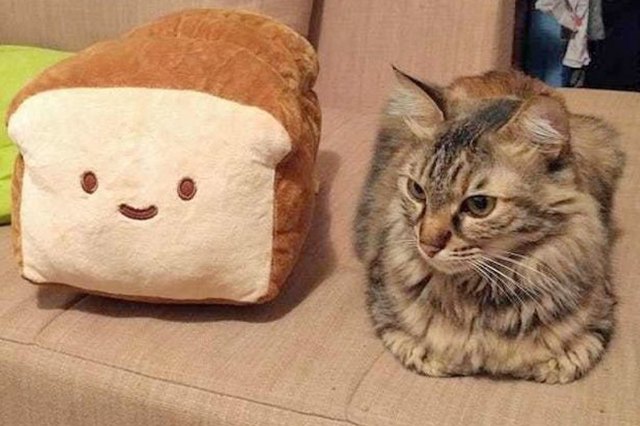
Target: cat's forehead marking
[460, 138]
[463, 133]
[481, 184]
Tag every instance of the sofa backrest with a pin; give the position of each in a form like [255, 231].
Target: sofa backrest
[358, 40]
[436, 40]
[75, 24]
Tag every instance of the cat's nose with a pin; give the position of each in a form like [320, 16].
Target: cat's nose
[434, 245]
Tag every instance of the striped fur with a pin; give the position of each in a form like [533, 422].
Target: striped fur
[523, 292]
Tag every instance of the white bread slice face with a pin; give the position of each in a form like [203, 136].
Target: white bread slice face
[140, 143]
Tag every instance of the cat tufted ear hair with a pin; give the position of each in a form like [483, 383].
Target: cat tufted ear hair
[420, 105]
[544, 121]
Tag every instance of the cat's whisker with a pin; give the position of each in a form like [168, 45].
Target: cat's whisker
[518, 273]
[550, 283]
[527, 258]
[484, 276]
[538, 286]
[483, 281]
[514, 283]
[532, 296]
[508, 282]
[546, 276]
[503, 287]
[500, 283]
[524, 265]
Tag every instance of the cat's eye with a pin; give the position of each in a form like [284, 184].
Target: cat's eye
[479, 205]
[186, 189]
[89, 182]
[415, 190]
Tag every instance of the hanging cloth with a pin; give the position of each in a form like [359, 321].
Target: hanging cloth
[574, 15]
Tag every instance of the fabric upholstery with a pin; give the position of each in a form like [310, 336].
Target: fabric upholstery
[74, 25]
[260, 71]
[309, 357]
[44, 388]
[339, 372]
[437, 40]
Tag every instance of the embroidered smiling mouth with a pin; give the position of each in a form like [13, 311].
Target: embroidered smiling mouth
[138, 214]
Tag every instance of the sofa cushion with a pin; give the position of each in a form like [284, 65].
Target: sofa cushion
[309, 357]
[40, 387]
[75, 24]
[437, 40]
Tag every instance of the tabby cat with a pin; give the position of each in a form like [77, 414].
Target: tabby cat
[485, 227]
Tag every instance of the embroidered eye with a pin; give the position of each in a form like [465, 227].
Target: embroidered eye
[415, 190]
[479, 205]
[186, 189]
[89, 182]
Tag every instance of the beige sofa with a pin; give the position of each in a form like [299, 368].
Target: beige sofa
[310, 357]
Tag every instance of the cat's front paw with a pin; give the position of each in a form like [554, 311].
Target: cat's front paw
[404, 347]
[555, 370]
[571, 365]
[412, 354]
[433, 367]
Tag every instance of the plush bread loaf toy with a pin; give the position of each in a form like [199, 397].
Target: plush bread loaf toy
[173, 164]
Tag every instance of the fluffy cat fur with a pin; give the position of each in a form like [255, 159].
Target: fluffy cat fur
[523, 292]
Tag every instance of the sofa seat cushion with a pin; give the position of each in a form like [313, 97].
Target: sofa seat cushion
[307, 358]
[73, 25]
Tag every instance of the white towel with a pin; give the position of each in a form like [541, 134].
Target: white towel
[574, 15]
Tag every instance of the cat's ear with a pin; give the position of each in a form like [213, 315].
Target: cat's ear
[419, 104]
[544, 122]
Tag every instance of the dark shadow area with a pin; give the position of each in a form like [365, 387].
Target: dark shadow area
[317, 261]
[315, 23]
[57, 297]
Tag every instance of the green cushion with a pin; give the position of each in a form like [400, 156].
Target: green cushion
[18, 64]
